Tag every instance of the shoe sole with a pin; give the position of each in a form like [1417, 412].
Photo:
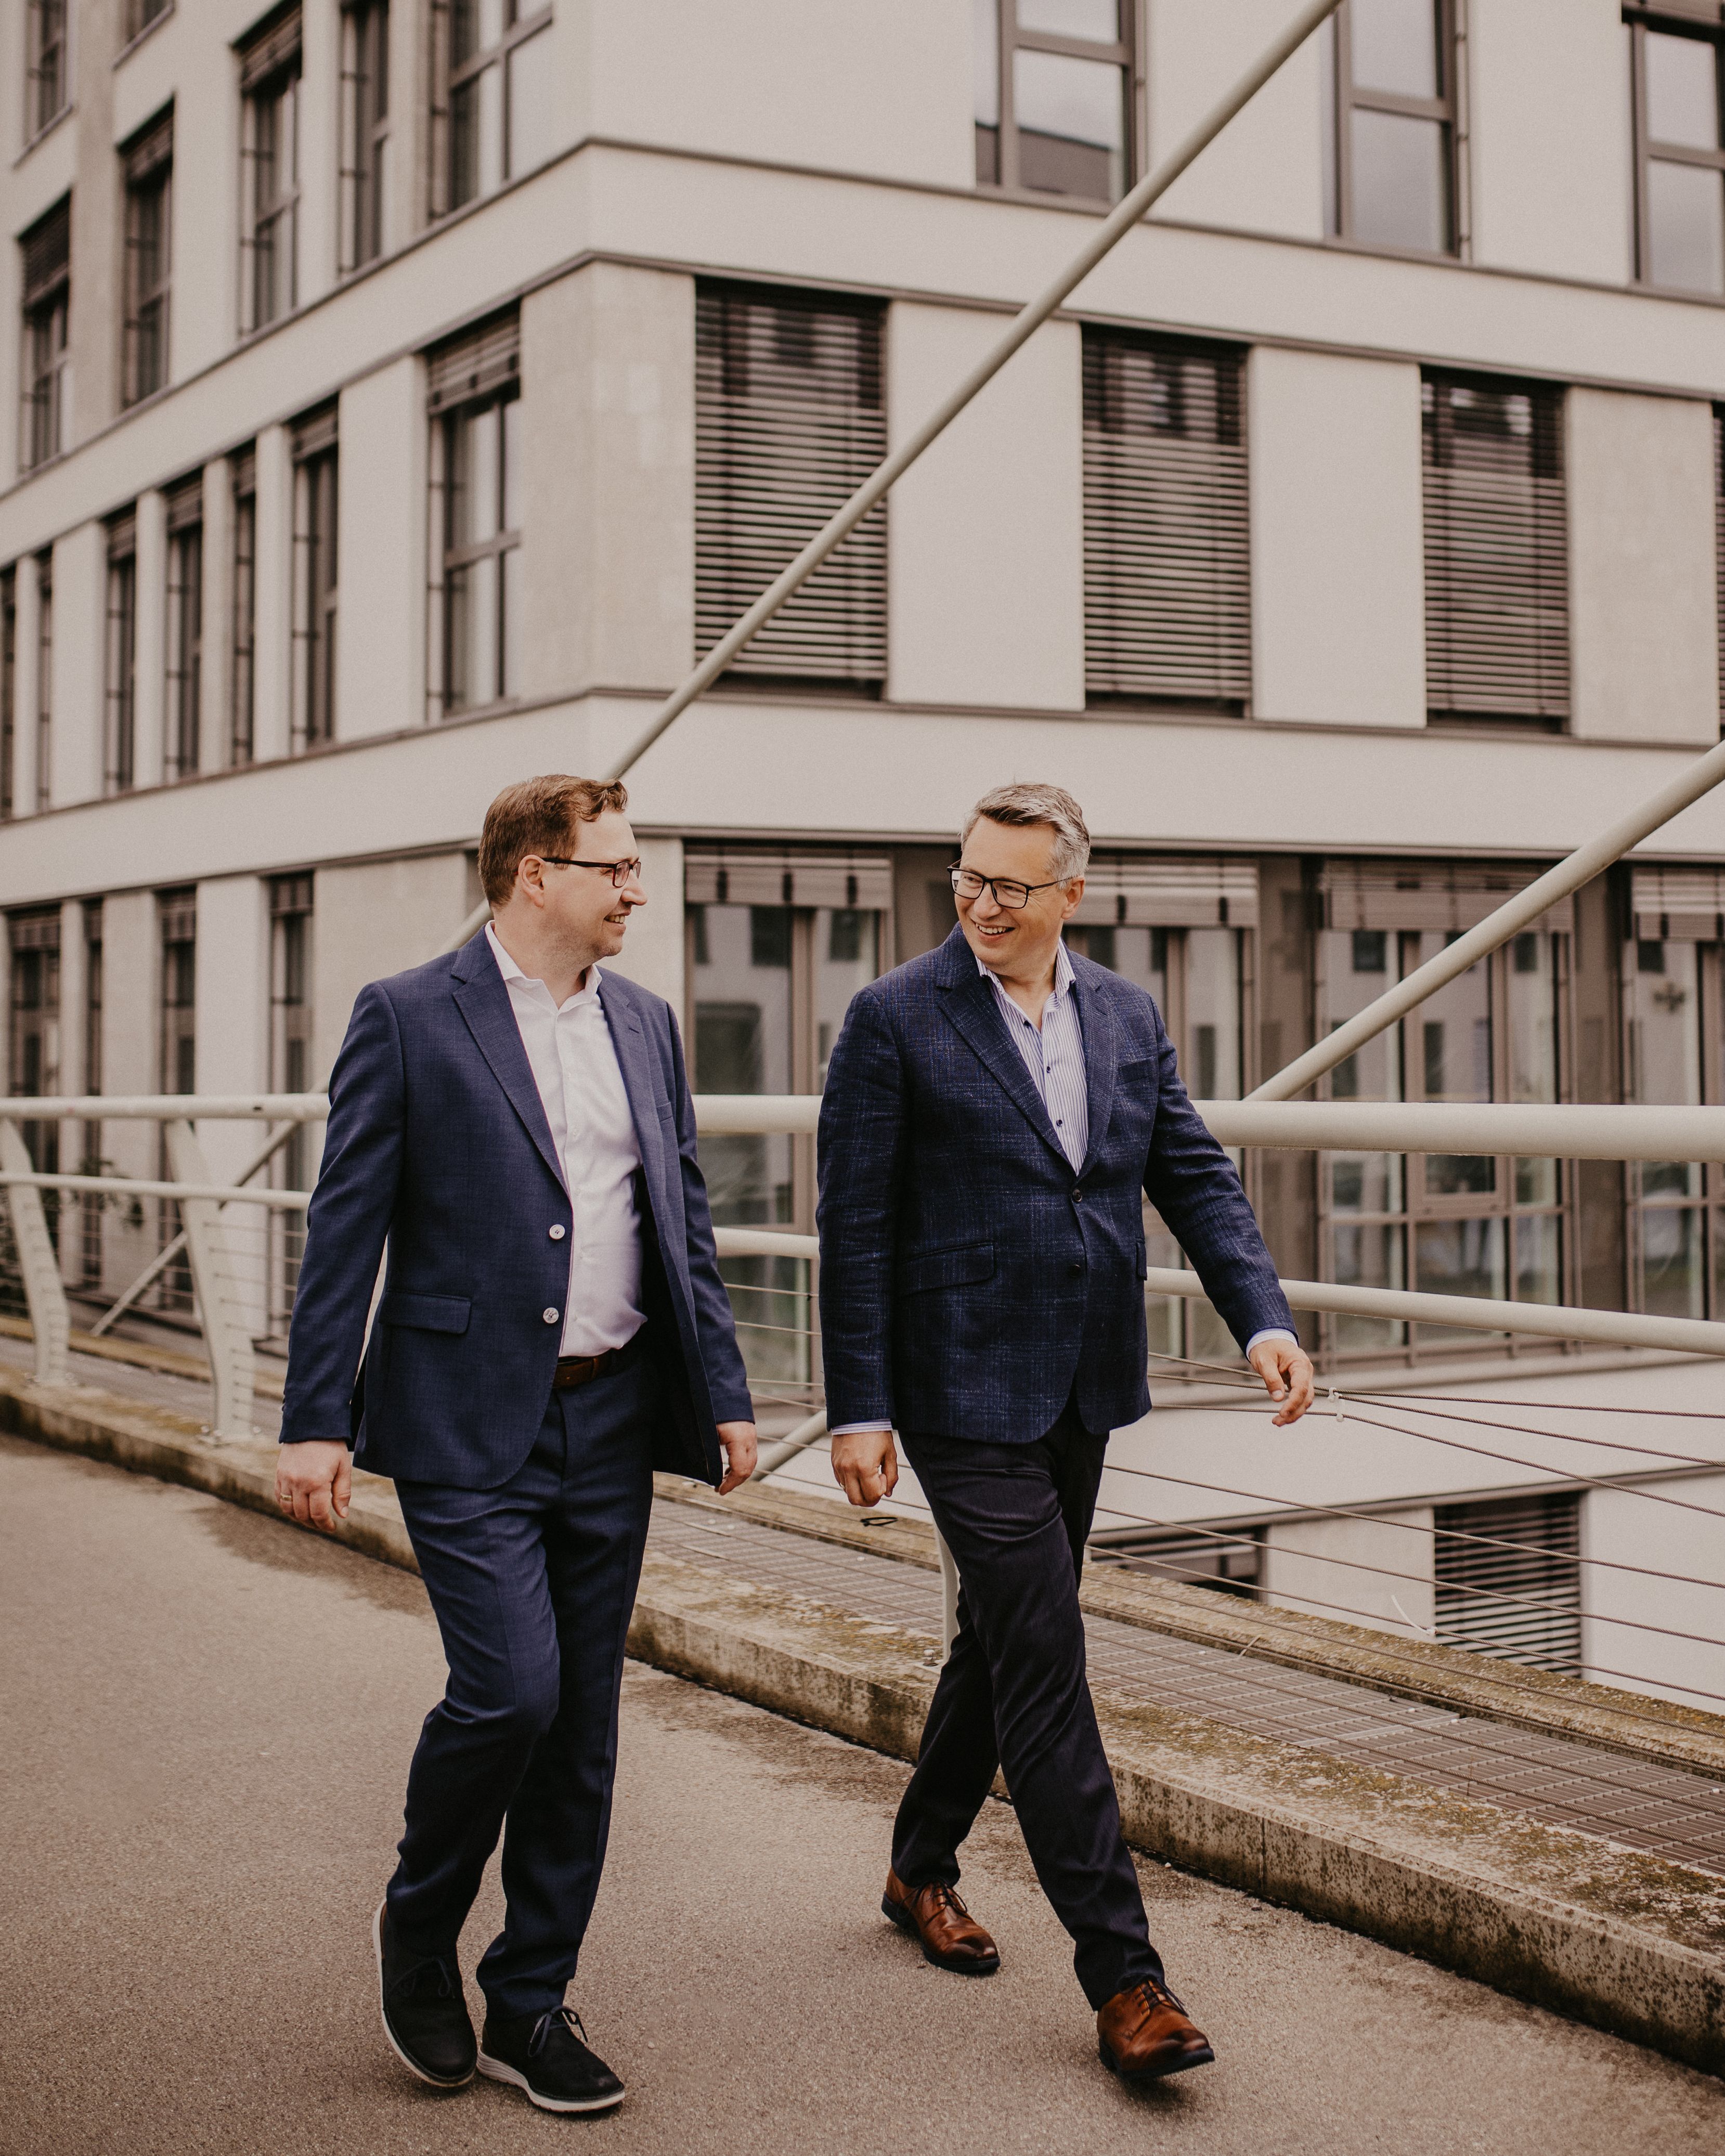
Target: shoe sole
[497, 2069]
[907, 1923]
[1179, 2066]
[412, 2065]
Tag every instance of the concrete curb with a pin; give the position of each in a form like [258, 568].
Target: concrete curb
[1626, 1942]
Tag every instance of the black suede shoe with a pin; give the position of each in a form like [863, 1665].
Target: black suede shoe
[544, 2054]
[424, 2014]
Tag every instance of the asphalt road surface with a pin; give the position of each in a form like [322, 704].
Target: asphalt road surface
[205, 1719]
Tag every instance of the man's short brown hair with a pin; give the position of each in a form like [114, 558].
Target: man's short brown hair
[538, 816]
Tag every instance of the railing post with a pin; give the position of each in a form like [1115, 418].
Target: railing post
[222, 1302]
[949, 1597]
[38, 1262]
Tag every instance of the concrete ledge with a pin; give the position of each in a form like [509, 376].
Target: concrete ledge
[1626, 1942]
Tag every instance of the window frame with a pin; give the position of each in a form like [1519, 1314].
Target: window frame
[1342, 98]
[9, 692]
[43, 51]
[45, 353]
[177, 1031]
[44, 680]
[1667, 22]
[449, 77]
[243, 573]
[449, 559]
[271, 93]
[120, 670]
[365, 132]
[148, 168]
[182, 654]
[1707, 1201]
[1123, 52]
[292, 955]
[316, 594]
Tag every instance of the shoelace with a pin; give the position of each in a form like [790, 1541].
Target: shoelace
[407, 1983]
[947, 1897]
[1159, 1994]
[543, 2030]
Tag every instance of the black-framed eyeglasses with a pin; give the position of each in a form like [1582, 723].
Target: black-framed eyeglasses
[967, 883]
[620, 872]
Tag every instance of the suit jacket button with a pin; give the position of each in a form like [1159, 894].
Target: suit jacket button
[1078, 1197]
[557, 1232]
[549, 1315]
[1077, 1265]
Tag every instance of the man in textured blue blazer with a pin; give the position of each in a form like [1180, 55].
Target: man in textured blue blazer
[994, 1114]
[515, 1123]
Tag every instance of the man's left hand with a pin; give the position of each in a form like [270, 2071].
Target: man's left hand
[1286, 1368]
[738, 1439]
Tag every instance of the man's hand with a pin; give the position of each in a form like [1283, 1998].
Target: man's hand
[313, 1481]
[1286, 1368]
[864, 1465]
[738, 1439]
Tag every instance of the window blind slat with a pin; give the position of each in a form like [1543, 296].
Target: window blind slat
[475, 364]
[269, 51]
[1523, 1604]
[778, 876]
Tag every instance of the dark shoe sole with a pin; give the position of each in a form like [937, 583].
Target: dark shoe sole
[412, 2065]
[497, 2069]
[1182, 2064]
[966, 1965]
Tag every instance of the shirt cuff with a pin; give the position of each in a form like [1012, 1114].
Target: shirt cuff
[1271, 1332]
[846, 1428]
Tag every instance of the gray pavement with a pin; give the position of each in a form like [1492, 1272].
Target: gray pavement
[204, 1723]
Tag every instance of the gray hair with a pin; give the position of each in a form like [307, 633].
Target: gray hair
[1051, 805]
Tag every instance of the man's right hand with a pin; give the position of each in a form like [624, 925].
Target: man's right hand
[864, 1465]
[313, 1480]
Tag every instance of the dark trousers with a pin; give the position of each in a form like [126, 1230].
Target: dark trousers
[531, 1585]
[1013, 1693]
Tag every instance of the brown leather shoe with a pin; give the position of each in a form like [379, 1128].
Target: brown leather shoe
[951, 1937]
[1143, 2034]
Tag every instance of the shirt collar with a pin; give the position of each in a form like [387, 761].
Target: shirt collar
[1063, 975]
[512, 972]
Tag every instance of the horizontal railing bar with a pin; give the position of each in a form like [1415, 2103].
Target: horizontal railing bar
[1569, 1131]
[167, 1108]
[764, 1243]
[750, 1114]
[115, 1186]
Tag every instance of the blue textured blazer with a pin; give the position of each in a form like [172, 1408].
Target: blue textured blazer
[438, 1140]
[969, 1280]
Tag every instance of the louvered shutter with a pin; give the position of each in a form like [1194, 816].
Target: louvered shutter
[780, 876]
[269, 51]
[478, 364]
[1426, 897]
[47, 248]
[1167, 530]
[1680, 905]
[1719, 545]
[790, 418]
[1523, 1602]
[1497, 552]
[1187, 891]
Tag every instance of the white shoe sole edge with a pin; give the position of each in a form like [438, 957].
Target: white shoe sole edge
[431, 2081]
[496, 2070]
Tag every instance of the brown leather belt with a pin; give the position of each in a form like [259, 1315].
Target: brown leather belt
[574, 1370]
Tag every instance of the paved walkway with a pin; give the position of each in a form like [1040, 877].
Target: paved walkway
[205, 1720]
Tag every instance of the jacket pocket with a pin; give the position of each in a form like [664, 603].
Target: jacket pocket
[953, 1268]
[425, 1313]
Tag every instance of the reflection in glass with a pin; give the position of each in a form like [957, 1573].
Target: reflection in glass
[1682, 91]
[1459, 1257]
[985, 71]
[1368, 1256]
[1538, 1274]
[1400, 181]
[531, 113]
[1071, 124]
[1098, 20]
[846, 958]
[1672, 1273]
[1665, 1067]
[1212, 1027]
[1139, 955]
[1359, 965]
[1686, 226]
[1395, 46]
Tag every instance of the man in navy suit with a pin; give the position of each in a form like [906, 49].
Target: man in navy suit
[515, 1122]
[994, 1114]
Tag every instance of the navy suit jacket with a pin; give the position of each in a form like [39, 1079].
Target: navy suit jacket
[438, 1140]
[969, 1280]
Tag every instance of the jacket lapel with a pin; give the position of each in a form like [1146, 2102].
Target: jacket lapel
[640, 1079]
[1101, 1059]
[483, 1001]
[970, 1004]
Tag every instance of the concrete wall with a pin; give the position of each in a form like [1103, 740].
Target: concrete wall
[1338, 618]
[80, 604]
[380, 646]
[233, 992]
[1315, 1565]
[372, 919]
[1622, 1526]
[607, 437]
[986, 562]
[149, 685]
[1643, 568]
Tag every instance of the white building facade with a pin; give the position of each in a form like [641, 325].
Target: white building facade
[409, 390]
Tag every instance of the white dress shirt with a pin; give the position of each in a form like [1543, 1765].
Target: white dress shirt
[1053, 1056]
[574, 1065]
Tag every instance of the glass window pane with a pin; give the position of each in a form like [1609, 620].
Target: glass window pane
[1672, 1275]
[510, 681]
[1213, 1014]
[464, 144]
[490, 129]
[1395, 46]
[1539, 1275]
[1368, 1257]
[1450, 1040]
[1136, 954]
[1682, 91]
[1399, 184]
[531, 104]
[1459, 1257]
[1099, 20]
[847, 958]
[1071, 124]
[985, 76]
[1686, 226]
[1359, 965]
[1665, 1069]
[743, 1045]
[511, 453]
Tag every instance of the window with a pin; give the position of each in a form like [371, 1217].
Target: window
[1390, 70]
[1679, 148]
[1054, 102]
[365, 129]
[90, 1267]
[1719, 545]
[244, 469]
[1508, 1579]
[118, 739]
[182, 713]
[1167, 537]
[148, 167]
[45, 681]
[9, 691]
[315, 509]
[139, 14]
[777, 943]
[790, 418]
[177, 923]
[475, 614]
[290, 1072]
[269, 171]
[1443, 1224]
[491, 96]
[47, 248]
[1496, 552]
[49, 76]
[33, 1056]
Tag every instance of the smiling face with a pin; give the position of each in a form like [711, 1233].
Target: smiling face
[1018, 943]
[584, 914]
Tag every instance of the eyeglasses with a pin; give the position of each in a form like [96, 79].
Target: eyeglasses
[967, 883]
[620, 872]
